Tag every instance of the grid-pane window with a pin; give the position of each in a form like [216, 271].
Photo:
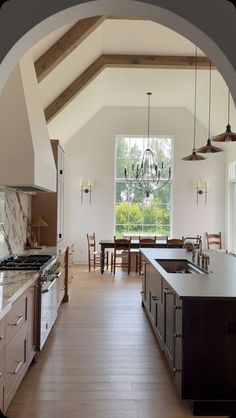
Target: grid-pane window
[134, 213]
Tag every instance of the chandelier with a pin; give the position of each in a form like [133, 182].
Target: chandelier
[147, 176]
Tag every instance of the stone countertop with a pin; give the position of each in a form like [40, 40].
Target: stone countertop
[12, 285]
[220, 282]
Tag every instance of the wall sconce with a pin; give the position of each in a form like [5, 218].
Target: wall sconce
[86, 187]
[201, 186]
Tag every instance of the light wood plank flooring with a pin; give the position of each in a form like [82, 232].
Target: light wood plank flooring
[101, 359]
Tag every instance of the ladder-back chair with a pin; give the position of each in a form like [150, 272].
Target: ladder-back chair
[121, 256]
[214, 240]
[94, 256]
[144, 242]
[174, 242]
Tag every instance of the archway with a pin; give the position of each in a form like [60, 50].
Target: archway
[36, 19]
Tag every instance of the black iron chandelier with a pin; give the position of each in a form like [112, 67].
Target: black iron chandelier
[147, 176]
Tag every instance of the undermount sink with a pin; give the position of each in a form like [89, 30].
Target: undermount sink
[179, 266]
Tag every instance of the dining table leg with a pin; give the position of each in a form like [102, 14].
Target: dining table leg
[102, 258]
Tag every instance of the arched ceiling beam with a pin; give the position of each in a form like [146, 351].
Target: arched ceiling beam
[65, 45]
[120, 61]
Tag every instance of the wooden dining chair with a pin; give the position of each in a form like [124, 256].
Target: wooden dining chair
[214, 241]
[174, 242]
[94, 256]
[144, 242]
[121, 255]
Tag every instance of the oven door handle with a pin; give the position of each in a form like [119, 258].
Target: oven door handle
[46, 290]
[58, 274]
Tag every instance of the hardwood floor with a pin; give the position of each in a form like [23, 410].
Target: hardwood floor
[101, 359]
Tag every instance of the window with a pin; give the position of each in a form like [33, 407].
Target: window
[134, 214]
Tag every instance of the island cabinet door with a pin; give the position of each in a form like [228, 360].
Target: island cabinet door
[1, 377]
[177, 369]
[156, 303]
[146, 284]
[169, 324]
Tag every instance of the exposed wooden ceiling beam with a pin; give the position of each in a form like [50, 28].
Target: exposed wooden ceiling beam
[117, 61]
[65, 45]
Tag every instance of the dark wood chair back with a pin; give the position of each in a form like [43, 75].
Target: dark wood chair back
[144, 242]
[121, 256]
[214, 240]
[149, 242]
[174, 242]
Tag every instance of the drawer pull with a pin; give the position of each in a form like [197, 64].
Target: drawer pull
[14, 372]
[167, 291]
[154, 298]
[14, 324]
[177, 307]
[177, 335]
[0, 375]
[1, 337]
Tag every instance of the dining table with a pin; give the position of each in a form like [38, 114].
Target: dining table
[109, 243]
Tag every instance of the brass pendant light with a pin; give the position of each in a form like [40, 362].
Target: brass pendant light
[209, 148]
[228, 135]
[194, 156]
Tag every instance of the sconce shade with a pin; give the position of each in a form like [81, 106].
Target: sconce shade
[227, 136]
[208, 148]
[193, 157]
[38, 222]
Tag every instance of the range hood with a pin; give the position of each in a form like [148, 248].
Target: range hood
[26, 158]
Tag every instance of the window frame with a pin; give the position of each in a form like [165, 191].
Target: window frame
[122, 180]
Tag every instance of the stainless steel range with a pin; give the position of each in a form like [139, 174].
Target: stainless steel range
[48, 269]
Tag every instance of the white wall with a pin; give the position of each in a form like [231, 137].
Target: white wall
[90, 155]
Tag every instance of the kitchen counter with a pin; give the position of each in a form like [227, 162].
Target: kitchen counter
[220, 282]
[12, 285]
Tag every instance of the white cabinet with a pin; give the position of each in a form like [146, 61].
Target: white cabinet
[17, 343]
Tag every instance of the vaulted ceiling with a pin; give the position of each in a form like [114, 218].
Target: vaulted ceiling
[113, 62]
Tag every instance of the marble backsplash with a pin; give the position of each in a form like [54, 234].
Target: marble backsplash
[15, 221]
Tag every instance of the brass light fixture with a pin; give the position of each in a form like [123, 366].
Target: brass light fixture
[194, 156]
[228, 135]
[209, 148]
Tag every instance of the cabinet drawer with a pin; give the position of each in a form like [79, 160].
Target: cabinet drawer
[16, 317]
[15, 357]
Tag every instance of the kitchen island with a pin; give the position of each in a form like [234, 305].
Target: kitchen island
[193, 315]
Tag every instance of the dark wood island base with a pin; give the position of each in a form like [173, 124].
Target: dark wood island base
[193, 317]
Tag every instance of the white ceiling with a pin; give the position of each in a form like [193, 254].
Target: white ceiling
[127, 86]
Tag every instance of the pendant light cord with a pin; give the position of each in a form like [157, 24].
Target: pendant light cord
[209, 117]
[195, 100]
[148, 125]
[228, 106]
